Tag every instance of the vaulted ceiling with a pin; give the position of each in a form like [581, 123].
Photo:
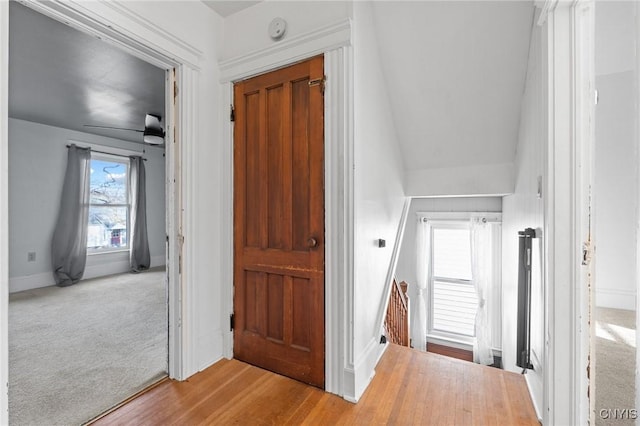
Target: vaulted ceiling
[455, 74]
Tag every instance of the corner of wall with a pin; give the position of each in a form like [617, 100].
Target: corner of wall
[357, 379]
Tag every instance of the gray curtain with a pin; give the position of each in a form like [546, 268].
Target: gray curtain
[69, 244]
[139, 258]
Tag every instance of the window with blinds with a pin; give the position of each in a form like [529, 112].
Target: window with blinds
[452, 294]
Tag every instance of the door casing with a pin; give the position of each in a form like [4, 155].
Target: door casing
[335, 43]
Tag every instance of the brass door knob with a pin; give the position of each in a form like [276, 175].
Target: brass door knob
[312, 242]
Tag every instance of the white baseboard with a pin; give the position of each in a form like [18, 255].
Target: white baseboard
[358, 378]
[29, 282]
[536, 406]
[45, 279]
[617, 299]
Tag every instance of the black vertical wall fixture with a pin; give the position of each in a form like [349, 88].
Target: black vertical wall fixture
[523, 341]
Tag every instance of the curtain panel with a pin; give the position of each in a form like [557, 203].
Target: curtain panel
[139, 256]
[481, 263]
[423, 255]
[69, 242]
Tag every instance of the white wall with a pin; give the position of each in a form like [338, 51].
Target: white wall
[246, 31]
[37, 164]
[406, 269]
[616, 167]
[523, 209]
[378, 194]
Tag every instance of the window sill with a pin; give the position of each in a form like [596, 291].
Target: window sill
[99, 252]
[456, 343]
[448, 341]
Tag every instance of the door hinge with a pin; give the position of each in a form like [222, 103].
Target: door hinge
[586, 253]
[232, 114]
[319, 81]
[232, 322]
[175, 90]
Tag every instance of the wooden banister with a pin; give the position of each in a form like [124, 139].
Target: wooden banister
[397, 320]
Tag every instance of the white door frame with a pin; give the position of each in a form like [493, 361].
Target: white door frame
[567, 216]
[108, 21]
[583, 34]
[334, 42]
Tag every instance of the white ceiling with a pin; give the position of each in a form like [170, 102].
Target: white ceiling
[455, 74]
[229, 7]
[61, 77]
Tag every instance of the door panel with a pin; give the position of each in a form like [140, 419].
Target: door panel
[279, 222]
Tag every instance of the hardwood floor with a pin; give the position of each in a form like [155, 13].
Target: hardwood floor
[410, 387]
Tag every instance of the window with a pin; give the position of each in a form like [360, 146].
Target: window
[109, 204]
[452, 300]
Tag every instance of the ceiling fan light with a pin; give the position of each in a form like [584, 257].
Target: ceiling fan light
[153, 137]
[152, 122]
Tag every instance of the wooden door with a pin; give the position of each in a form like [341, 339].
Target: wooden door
[279, 221]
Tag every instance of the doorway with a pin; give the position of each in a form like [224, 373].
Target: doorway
[279, 235]
[615, 209]
[113, 259]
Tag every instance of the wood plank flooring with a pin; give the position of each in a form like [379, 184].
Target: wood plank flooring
[410, 387]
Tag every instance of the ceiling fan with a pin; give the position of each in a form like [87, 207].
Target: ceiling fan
[152, 133]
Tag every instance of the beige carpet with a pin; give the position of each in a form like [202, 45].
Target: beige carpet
[75, 352]
[615, 365]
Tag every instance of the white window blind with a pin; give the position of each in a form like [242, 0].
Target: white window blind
[453, 297]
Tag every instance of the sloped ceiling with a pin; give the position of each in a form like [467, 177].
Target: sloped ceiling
[455, 74]
[61, 77]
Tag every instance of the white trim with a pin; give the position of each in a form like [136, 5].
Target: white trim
[391, 272]
[583, 114]
[453, 343]
[334, 41]
[363, 370]
[536, 407]
[110, 22]
[565, 381]
[186, 210]
[546, 7]
[4, 213]
[457, 216]
[321, 40]
[616, 299]
[338, 215]
[173, 208]
[45, 279]
[226, 224]
[190, 54]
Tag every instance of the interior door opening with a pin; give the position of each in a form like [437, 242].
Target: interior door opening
[121, 321]
[616, 189]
